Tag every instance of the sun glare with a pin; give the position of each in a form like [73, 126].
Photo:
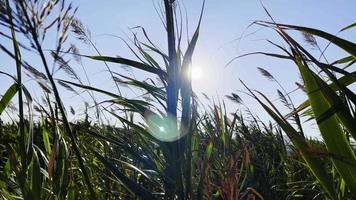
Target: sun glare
[161, 128]
[196, 73]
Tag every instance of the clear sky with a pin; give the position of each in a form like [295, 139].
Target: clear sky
[223, 22]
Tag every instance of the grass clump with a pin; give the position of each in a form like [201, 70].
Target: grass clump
[170, 146]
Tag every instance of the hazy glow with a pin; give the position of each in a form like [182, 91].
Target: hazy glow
[161, 128]
[196, 73]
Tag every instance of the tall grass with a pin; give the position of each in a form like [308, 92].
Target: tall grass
[171, 146]
[331, 104]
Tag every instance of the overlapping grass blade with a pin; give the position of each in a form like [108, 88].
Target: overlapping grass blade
[147, 162]
[137, 105]
[345, 80]
[314, 163]
[132, 63]
[337, 106]
[22, 134]
[329, 126]
[343, 44]
[207, 155]
[131, 185]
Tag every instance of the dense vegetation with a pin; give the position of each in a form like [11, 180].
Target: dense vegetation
[168, 144]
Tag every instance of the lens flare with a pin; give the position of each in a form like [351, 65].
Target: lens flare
[162, 128]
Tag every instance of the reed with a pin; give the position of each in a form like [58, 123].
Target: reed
[167, 145]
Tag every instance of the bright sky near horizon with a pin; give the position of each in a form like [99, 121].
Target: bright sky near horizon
[224, 21]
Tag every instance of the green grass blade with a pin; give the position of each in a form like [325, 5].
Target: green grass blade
[22, 136]
[312, 161]
[136, 105]
[151, 89]
[338, 106]
[45, 139]
[36, 184]
[6, 98]
[132, 63]
[348, 27]
[345, 80]
[344, 60]
[330, 129]
[131, 185]
[29, 130]
[186, 87]
[343, 44]
[207, 155]
[138, 157]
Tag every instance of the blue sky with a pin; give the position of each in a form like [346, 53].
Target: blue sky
[223, 22]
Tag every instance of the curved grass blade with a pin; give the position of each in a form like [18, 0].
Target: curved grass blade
[151, 89]
[132, 63]
[6, 98]
[33, 36]
[147, 162]
[137, 105]
[337, 106]
[348, 27]
[329, 127]
[345, 80]
[313, 162]
[131, 185]
[344, 60]
[342, 43]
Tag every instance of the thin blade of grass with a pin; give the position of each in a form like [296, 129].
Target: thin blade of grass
[133, 186]
[298, 140]
[343, 44]
[131, 63]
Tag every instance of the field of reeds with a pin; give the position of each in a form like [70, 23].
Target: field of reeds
[167, 144]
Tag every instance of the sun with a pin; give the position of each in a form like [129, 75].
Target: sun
[196, 72]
